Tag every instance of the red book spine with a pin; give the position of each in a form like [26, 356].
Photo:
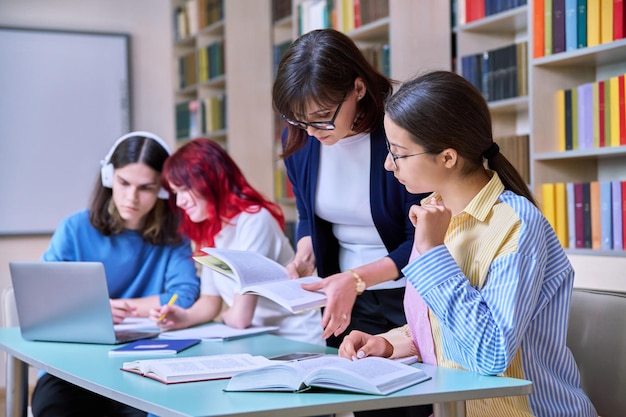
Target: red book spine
[618, 19]
[622, 111]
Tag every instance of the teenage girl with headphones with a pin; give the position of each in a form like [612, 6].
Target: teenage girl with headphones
[131, 229]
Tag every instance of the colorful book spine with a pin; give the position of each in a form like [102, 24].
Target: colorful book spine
[538, 29]
[616, 200]
[548, 203]
[558, 26]
[547, 24]
[579, 211]
[606, 21]
[614, 112]
[571, 215]
[593, 23]
[571, 30]
[581, 23]
[560, 112]
[560, 213]
[594, 208]
[606, 215]
[586, 223]
[618, 19]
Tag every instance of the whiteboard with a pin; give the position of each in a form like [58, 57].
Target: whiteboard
[64, 100]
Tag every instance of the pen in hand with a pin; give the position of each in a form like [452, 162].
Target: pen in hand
[169, 303]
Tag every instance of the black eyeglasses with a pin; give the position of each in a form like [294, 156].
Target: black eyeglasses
[395, 157]
[329, 125]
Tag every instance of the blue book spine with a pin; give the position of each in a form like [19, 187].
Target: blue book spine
[606, 215]
[571, 20]
[618, 231]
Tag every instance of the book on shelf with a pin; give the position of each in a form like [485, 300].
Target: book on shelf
[216, 332]
[147, 347]
[371, 375]
[257, 274]
[195, 368]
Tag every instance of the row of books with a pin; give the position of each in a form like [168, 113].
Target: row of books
[515, 148]
[342, 15]
[211, 61]
[467, 11]
[592, 115]
[567, 25]
[198, 117]
[283, 189]
[499, 73]
[202, 65]
[194, 15]
[587, 215]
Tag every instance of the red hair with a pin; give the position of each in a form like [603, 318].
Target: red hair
[204, 168]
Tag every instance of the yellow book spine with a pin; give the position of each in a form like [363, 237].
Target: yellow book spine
[548, 203]
[593, 23]
[560, 111]
[560, 212]
[614, 111]
[606, 21]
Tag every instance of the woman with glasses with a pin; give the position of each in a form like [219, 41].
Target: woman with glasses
[489, 287]
[353, 215]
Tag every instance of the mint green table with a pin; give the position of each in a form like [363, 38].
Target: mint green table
[90, 366]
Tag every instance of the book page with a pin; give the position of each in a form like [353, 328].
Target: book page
[290, 294]
[251, 267]
[198, 366]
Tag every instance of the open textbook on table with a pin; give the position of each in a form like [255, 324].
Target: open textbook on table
[216, 332]
[195, 368]
[370, 375]
[257, 274]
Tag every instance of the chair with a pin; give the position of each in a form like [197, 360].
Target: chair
[16, 372]
[597, 338]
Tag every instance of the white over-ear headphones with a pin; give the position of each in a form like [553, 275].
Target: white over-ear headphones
[106, 172]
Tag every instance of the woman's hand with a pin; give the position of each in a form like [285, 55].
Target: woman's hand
[121, 309]
[303, 263]
[359, 345]
[170, 317]
[341, 294]
[431, 222]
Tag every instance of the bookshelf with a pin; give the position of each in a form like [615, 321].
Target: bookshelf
[568, 48]
[233, 78]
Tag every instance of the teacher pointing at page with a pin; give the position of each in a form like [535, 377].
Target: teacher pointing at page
[353, 224]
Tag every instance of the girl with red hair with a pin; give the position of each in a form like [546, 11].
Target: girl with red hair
[221, 209]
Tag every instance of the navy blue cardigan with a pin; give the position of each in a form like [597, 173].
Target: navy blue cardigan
[389, 204]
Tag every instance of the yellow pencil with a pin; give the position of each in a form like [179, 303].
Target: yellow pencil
[169, 303]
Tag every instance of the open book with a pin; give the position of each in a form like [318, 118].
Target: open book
[257, 274]
[195, 368]
[370, 375]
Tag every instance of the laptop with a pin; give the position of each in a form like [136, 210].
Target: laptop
[66, 302]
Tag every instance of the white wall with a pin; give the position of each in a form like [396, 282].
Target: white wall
[149, 24]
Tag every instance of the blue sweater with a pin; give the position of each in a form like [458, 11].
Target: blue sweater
[134, 268]
[389, 202]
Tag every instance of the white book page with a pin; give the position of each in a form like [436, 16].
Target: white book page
[251, 267]
[199, 365]
[290, 294]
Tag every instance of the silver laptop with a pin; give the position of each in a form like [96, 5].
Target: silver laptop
[66, 302]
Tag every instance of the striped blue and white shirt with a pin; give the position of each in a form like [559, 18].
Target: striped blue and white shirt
[498, 293]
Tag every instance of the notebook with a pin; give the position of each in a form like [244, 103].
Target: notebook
[66, 302]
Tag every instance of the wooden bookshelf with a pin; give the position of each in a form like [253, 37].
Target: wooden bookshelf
[537, 113]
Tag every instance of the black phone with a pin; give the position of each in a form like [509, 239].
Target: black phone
[296, 356]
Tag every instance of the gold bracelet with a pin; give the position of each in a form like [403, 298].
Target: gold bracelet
[360, 285]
